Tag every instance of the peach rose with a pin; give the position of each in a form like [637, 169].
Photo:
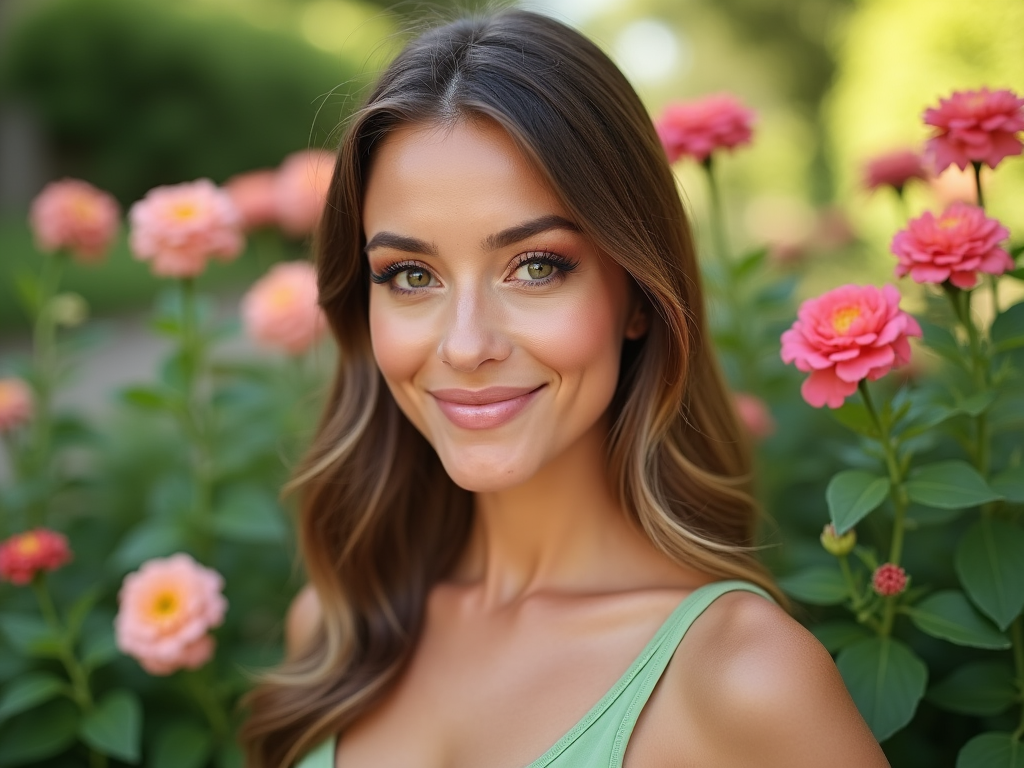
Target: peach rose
[698, 128]
[22, 556]
[16, 404]
[254, 197]
[300, 190]
[281, 310]
[75, 215]
[980, 126]
[167, 609]
[846, 335]
[179, 228]
[894, 169]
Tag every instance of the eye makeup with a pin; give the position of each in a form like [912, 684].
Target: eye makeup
[562, 266]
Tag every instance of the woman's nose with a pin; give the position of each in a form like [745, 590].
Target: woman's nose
[473, 332]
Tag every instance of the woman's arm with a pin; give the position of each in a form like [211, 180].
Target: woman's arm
[301, 621]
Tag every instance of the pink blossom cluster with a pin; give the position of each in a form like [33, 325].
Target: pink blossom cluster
[16, 404]
[894, 169]
[981, 126]
[889, 580]
[847, 335]
[698, 128]
[74, 215]
[24, 555]
[167, 609]
[281, 310]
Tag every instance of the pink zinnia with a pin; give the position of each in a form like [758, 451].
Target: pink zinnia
[698, 128]
[179, 228]
[22, 556]
[975, 127]
[16, 404]
[75, 215]
[754, 414]
[894, 169]
[280, 311]
[253, 195]
[889, 579]
[167, 609]
[846, 335]
[955, 247]
[300, 190]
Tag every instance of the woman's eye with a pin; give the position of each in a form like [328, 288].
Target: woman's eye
[535, 270]
[414, 277]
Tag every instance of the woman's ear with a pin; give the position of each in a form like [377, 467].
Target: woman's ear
[639, 319]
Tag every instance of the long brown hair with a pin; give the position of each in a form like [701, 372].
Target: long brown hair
[380, 521]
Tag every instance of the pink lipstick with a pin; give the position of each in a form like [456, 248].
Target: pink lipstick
[483, 408]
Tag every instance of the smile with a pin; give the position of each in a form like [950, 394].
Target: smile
[483, 408]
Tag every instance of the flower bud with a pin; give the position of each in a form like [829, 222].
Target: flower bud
[889, 579]
[69, 309]
[835, 544]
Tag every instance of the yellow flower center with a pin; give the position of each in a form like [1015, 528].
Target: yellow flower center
[28, 544]
[949, 222]
[85, 209]
[843, 318]
[164, 605]
[184, 210]
[281, 297]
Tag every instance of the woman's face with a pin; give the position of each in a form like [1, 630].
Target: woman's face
[497, 325]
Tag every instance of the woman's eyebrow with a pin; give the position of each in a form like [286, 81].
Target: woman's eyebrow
[502, 239]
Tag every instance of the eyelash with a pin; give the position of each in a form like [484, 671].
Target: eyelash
[563, 264]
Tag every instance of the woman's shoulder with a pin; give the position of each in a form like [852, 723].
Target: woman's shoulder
[763, 690]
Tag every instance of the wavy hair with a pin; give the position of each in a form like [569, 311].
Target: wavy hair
[372, 546]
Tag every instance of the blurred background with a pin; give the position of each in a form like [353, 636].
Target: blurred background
[130, 94]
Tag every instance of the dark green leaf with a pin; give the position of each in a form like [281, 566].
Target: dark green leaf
[29, 634]
[149, 398]
[976, 404]
[949, 615]
[182, 745]
[855, 417]
[852, 494]
[99, 647]
[982, 688]
[1007, 331]
[29, 291]
[80, 609]
[991, 750]
[230, 756]
[918, 516]
[1010, 484]
[39, 733]
[836, 635]
[886, 680]
[819, 585]
[249, 513]
[115, 726]
[29, 691]
[949, 485]
[942, 342]
[990, 564]
[157, 538]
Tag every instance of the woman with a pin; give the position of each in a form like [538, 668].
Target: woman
[529, 483]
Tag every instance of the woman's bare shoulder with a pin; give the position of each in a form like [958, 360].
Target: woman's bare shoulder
[302, 620]
[766, 692]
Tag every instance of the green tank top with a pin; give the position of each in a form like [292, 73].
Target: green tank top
[600, 737]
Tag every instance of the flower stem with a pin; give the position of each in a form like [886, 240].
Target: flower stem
[717, 213]
[208, 702]
[79, 678]
[977, 183]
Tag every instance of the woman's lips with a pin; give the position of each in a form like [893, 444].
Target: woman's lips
[483, 408]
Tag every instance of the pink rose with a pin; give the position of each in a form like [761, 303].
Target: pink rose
[846, 335]
[955, 247]
[281, 310]
[754, 414]
[16, 404]
[22, 556]
[697, 128]
[167, 608]
[179, 228]
[894, 169]
[300, 190]
[254, 197]
[74, 214]
[975, 126]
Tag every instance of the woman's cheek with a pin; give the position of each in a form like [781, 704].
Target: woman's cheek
[401, 342]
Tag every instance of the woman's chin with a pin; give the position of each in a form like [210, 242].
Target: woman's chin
[487, 473]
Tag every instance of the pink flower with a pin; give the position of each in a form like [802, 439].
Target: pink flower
[975, 127]
[846, 335]
[167, 608]
[254, 197]
[754, 414]
[180, 227]
[74, 214]
[300, 190]
[955, 247]
[16, 404]
[281, 310]
[889, 579]
[22, 556]
[697, 128]
[894, 169]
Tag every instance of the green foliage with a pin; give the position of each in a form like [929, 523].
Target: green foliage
[852, 494]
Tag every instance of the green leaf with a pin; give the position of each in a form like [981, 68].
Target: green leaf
[1007, 330]
[886, 679]
[982, 688]
[854, 416]
[30, 635]
[852, 494]
[748, 263]
[29, 691]
[80, 609]
[949, 485]
[991, 750]
[149, 398]
[941, 341]
[156, 538]
[819, 585]
[1010, 484]
[976, 404]
[29, 291]
[918, 516]
[99, 648]
[39, 733]
[836, 635]
[990, 564]
[182, 745]
[230, 756]
[949, 615]
[115, 726]
[249, 513]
